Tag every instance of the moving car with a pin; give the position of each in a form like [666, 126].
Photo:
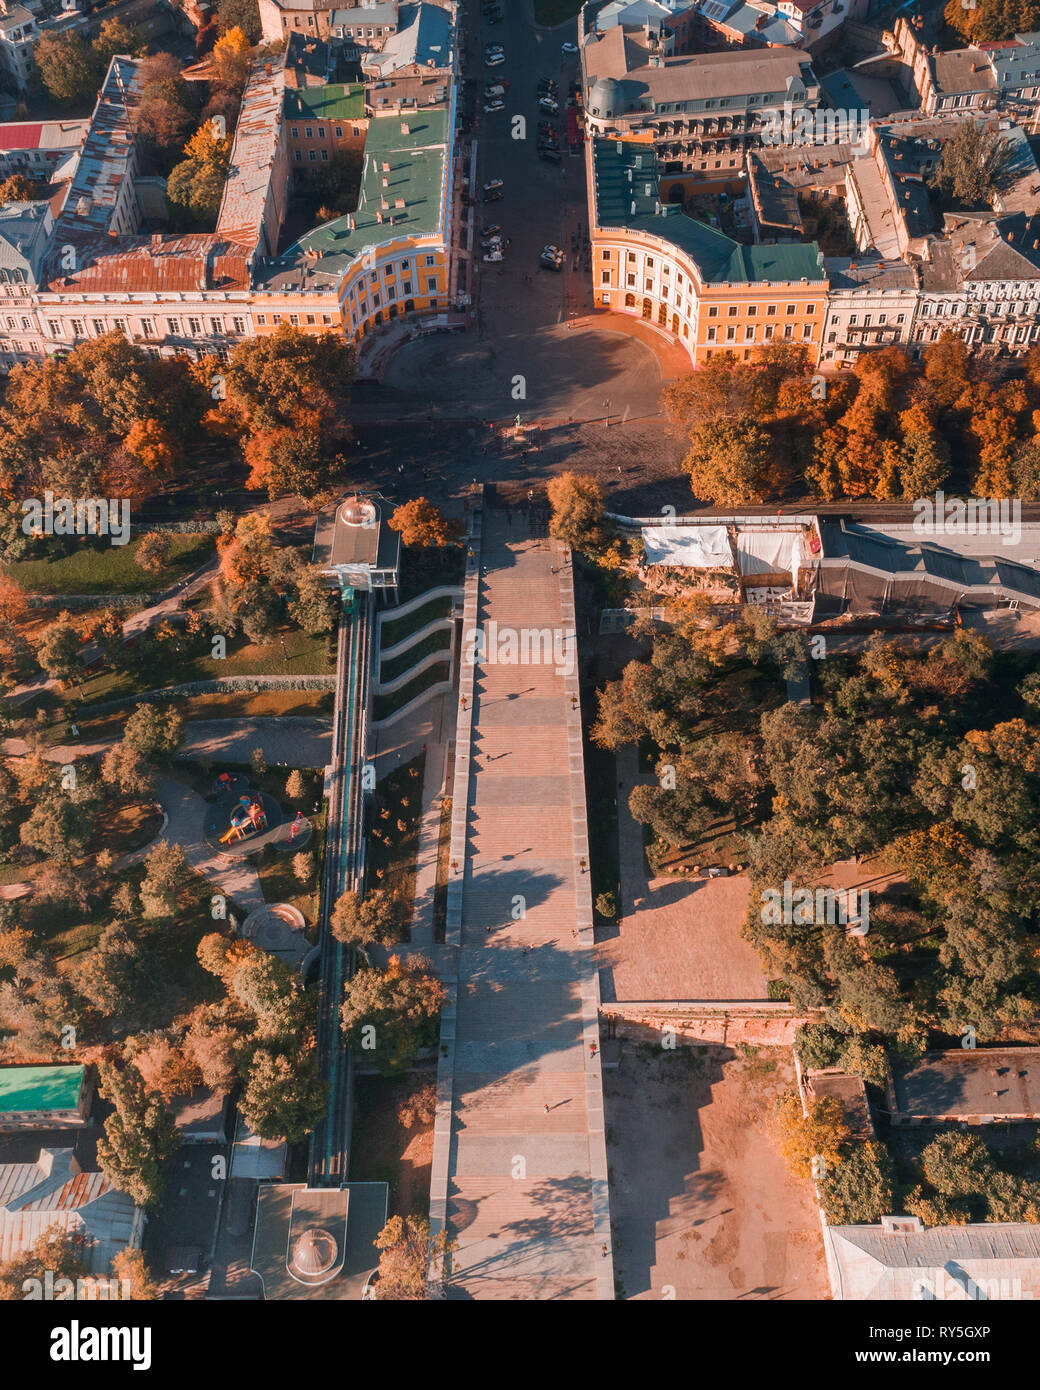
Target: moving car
[568, 48]
[552, 258]
[496, 60]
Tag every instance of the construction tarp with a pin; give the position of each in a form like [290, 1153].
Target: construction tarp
[769, 552]
[694, 547]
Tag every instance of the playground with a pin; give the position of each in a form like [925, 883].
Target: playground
[242, 820]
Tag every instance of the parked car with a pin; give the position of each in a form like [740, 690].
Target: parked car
[494, 256]
[492, 184]
[494, 89]
[568, 48]
[551, 153]
[495, 196]
[547, 104]
[493, 230]
[494, 106]
[495, 61]
[552, 258]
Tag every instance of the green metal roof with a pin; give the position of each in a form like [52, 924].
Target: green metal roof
[628, 194]
[416, 176]
[342, 102]
[39, 1088]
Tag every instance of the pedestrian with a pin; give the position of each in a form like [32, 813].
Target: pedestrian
[487, 931]
[547, 1107]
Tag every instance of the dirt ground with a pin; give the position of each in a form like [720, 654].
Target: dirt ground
[385, 1150]
[701, 1204]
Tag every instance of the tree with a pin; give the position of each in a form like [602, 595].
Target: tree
[58, 649]
[165, 110]
[165, 878]
[361, 921]
[17, 189]
[857, 1190]
[284, 1097]
[814, 1138]
[68, 66]
[976, 164]
[421, 523]
[291, 380]
[129, 1265]
[728, 461]
[116, 38]
[213, 1044]
[152, 552]
[154, 731]
[405, 1252]
[578, 510]
[164, 1067]
[303, 868]
[57, 1252]
[114, 975]
[153, 445]
[268, 989]
[259, 762]
[300, 462]
[240, 14]
[419, 1107]
[138, 1138]
[400, 1004]
[55, 828]
[294, 785]
[312, 607]
[196, 185]
[231, 61]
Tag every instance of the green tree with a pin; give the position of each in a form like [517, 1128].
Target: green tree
[68, 67]
[116, 38]
[857, 1189]
[55, 828]
[284, 1097]
[401, 1004]
[976, 164]
[58, 649]
[166, 877]
[312, 607]
[139, 1136]
[240, 14]
[116, 973]
[155, 731]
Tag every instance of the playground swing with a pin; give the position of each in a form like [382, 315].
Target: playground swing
[247, 818]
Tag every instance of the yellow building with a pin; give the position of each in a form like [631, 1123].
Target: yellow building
[386, 260]
[710, 293]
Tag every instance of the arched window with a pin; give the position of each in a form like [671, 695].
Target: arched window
[662, 316]
[675, 323]
[630, 301]
[648, 309]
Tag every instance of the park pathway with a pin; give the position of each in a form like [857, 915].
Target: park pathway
[526, 1164]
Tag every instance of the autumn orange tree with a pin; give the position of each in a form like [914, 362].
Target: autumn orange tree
[815, 1141]
[421, 523]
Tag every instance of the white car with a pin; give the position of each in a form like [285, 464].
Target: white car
[568, 48]
[494, 106]
[496, 60]
[547, 104]
[494, 256]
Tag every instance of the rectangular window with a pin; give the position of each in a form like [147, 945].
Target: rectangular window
[713, 311]
[752, 310]
[749, 333]
[239, 325]
[325, 156]
[791, 308]
[312, 156]
[732, 311]
[77, 328]
[53, 327]
[295, 132]
[321, 132]
[216, 327]
[172, 326]
[431, 284]
[309, 318]
[604, 277]
[768, 332]
[262, 318]
[711, 334]
[771, 309]
[194, 327]
[339, 132]
[299, 156]
[120, 324]
[431, 260]
[407, 287]
[309, 132]
[647, 284]
[148, 328]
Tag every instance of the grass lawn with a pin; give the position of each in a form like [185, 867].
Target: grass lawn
[280, 884]
[429, 566]
[385, 705]
[553, 12]
[438, 641]
[242, 704]
[393, 840]
[109, 569]
[395, 630]
[292, 653]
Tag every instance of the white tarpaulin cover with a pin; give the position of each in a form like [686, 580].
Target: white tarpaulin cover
[769, 552]
[697, 547]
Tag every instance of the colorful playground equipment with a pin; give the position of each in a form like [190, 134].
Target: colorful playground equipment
[247, 818]
[300, 823]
